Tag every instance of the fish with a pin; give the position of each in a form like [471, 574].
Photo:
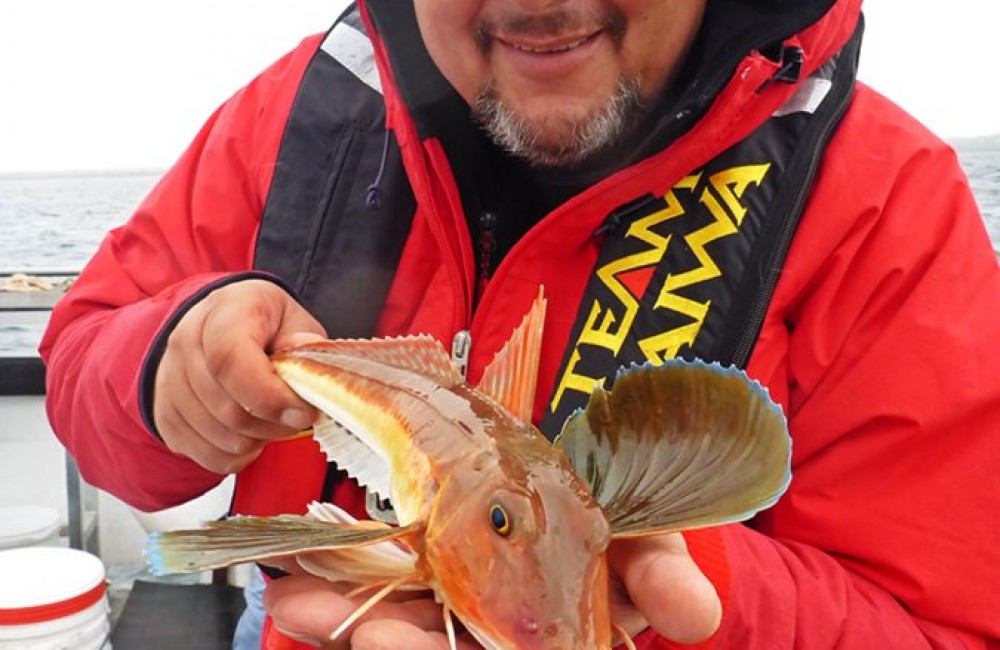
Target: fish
[508, 530]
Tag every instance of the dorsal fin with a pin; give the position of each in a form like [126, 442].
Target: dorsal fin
[511, 377]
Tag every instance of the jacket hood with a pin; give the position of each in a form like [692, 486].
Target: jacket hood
[731, 31]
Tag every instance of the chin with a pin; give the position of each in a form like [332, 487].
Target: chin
[555, 137]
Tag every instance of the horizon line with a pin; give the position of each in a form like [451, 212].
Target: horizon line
[82, 173]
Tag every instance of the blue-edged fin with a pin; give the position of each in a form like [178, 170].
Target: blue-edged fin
[679, 446]
[512, 376]
[248, 539]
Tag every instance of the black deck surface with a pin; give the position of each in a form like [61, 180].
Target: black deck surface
[159, 616]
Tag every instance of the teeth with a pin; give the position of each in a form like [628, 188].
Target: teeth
[549, 50]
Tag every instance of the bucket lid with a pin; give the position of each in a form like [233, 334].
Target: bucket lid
[45, 583]
[25, 525]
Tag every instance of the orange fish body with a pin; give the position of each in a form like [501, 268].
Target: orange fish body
[509, 531]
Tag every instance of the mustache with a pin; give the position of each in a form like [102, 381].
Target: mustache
[550, 24]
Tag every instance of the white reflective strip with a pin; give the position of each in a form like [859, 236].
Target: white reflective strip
[807, 98]
[354, 51]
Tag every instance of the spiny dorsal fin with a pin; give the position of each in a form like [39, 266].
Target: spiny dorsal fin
[511, 377]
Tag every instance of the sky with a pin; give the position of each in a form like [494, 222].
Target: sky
[123, 84]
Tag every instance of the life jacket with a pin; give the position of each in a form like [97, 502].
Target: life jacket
[689, 271]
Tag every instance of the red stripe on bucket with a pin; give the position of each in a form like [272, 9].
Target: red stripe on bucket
[52, 611]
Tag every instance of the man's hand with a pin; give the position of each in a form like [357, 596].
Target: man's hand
[306, 608]
[217, 399]
[658, 585]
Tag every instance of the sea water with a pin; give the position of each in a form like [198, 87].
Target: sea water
[58, 221]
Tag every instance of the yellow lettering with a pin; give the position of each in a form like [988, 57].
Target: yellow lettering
[731, 184]
[573, 381]
[664, 346]
[727, 216]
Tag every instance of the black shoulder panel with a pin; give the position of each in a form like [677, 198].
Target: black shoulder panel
[321, 231]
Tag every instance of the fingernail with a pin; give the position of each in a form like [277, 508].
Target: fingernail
[296, 419]
[279, 639]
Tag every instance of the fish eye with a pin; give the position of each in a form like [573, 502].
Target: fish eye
[500, 520]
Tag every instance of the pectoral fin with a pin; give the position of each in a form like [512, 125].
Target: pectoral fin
[377, 563]
[679, 446]
[247, 539]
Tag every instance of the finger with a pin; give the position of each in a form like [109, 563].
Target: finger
[235, 346]
[667, 587]
[180, 419]
[200, 398]
[297, 326]
[310, 607]
[306, 606]
[375, 635]
[233, 422]
[297, 338]
[182, 438]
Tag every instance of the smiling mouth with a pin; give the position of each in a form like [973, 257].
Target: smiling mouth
[556, 48]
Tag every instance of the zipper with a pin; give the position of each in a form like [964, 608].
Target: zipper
[772, 271]
[461, 349]
[487, 244]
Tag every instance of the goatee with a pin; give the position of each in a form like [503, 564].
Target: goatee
[559, 141]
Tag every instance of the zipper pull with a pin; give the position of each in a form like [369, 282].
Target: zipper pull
[461, 346]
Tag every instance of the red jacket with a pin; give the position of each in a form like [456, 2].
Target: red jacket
[880, 342]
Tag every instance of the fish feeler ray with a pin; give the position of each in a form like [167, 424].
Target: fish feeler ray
[362, 609]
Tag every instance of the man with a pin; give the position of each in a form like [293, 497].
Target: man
[684, 177]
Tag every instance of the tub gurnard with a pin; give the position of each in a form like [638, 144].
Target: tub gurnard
[508, 530]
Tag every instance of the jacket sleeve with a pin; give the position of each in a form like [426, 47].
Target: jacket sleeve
[194, 231]
[883, 343]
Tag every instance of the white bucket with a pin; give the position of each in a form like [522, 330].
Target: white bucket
[52, 599]
[22, 526]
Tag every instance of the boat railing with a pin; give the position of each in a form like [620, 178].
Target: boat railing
[26, 311]
[22, 381]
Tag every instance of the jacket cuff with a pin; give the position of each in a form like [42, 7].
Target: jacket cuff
[147, 375]
[708, 550]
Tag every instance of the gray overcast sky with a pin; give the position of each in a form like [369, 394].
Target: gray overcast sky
[115, 84]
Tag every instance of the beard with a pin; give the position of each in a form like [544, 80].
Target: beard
[561, 140]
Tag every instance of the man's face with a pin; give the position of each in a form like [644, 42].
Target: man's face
[559, 79]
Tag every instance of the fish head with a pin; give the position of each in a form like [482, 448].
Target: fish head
[520, 556]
